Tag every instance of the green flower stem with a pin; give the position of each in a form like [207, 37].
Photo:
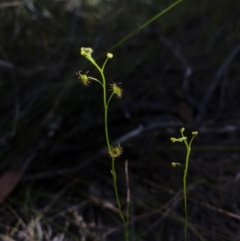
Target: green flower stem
[113, 160]
[185, 172]
[96, 80]
[118, 200]
[185, 191]
[110, 98]
[188, 146]
[106, 103]
[104, 64]
[128, 199]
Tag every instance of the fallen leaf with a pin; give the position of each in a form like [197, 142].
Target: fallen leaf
[8, 181]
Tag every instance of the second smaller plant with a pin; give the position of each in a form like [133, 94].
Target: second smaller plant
[185, 171]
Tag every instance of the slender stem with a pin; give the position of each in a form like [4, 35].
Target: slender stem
[190, 143]
[104, 64]
[116, 194]
[105, 111]
[128, 198]
[106, 103]
[188, 146]
[145, 24]
[95, 80]
[185, 190]
[110, 98]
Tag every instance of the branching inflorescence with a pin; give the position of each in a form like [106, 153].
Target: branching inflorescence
[114, 151]
[185, 171]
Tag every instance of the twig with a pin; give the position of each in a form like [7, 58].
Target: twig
[128, 136]
[187, 66]
[216, 82]
[188, 69]
[6, 65]
[128, 196]
[215, 209]
[10, 4]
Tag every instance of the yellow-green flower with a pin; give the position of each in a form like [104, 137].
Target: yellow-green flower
[117, 90]
[85, 80]
[115, 151]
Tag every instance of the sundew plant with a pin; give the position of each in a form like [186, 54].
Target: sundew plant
[185, 171]
[113, 150]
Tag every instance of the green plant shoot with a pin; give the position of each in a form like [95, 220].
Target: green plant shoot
[114, 151]
[185, 171]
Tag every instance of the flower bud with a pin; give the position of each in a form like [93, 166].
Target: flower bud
[86, 52]
[109, 55]
[174, 164]
[182, 129]
[173, 139]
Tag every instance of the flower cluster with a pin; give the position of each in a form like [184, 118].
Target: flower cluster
[113, 151]
[173, 139]
[183, 138]
[86, 52]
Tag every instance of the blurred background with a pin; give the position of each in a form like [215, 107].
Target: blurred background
[182, 69]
